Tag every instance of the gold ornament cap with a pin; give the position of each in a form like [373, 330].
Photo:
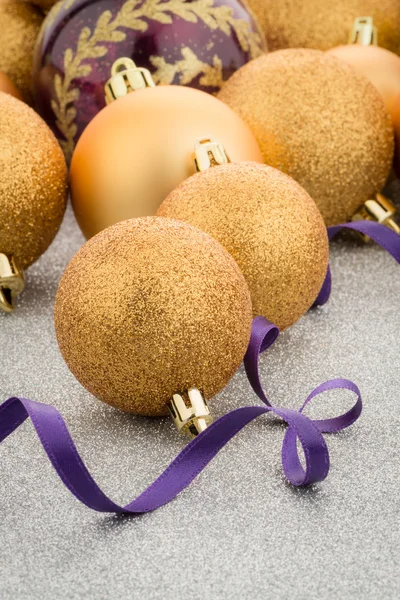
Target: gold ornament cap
[379, 209]
[126, 77]
[364, 32]
[12, 282]
[190, 413]
[209, 153]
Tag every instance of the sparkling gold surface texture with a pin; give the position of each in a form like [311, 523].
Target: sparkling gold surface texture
[379, 65]
[324, 24]
[33, 182]
[150, 307]
[321, 122]
[382, 68]
[19, 27]
[271, 227]
[140, 147]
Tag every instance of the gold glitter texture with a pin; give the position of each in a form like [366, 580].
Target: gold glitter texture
[150, 307]
[323, 24]
[271, 227]
[33, 182]
[319, 121]
[19, 27]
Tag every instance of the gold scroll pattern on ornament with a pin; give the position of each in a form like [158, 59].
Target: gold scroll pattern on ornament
[134, 15]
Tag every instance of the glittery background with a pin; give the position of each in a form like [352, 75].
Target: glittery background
[239, 531]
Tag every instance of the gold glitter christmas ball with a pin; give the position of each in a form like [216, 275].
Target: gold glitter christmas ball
[382, 68]
[8, 87]
[151, 307]
[318, 120]
[33, 182]
[141, 146]
[19, 29]
[269, 224]
[323, 24]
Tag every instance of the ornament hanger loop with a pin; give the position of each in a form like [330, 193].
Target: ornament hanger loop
[364, 32]
[381, 210]
[209, 153]
[190, 412]
[12, 282]
[126, 77]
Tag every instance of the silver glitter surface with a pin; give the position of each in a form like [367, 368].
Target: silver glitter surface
[239, 531]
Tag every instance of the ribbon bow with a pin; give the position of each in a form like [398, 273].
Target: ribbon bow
[61, 450]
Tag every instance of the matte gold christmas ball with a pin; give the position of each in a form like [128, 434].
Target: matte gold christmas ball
[381, 67]
[148, 308]
[141, 146]
[323, 24]
[19, 28]
[33, 182]
[318, 120]
[8, 87]
[269, 224]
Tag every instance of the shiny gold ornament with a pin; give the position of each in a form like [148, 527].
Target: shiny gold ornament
[379, 209]
[33, 187]
[269, 224]
[150, 308]
[323, 24]
[19, 27]
[380, 66]
[12, 282]
[8, 87]
[319, 121]
[140, 147]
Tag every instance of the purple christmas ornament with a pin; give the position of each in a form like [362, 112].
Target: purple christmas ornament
[198, 43]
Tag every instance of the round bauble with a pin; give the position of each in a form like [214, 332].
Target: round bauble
[20, 25]
[8, 87]
[33, 182]
[140, 147]
[318, 120]
[196, 44]
[381, 67]
[323, 24]
[271, 227]
[149, 308]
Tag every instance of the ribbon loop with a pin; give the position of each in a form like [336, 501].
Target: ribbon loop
[64, 456]
[315, 450]
[382, 235]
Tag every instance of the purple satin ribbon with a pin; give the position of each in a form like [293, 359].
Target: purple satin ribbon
[61, 450]
[382, 235]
